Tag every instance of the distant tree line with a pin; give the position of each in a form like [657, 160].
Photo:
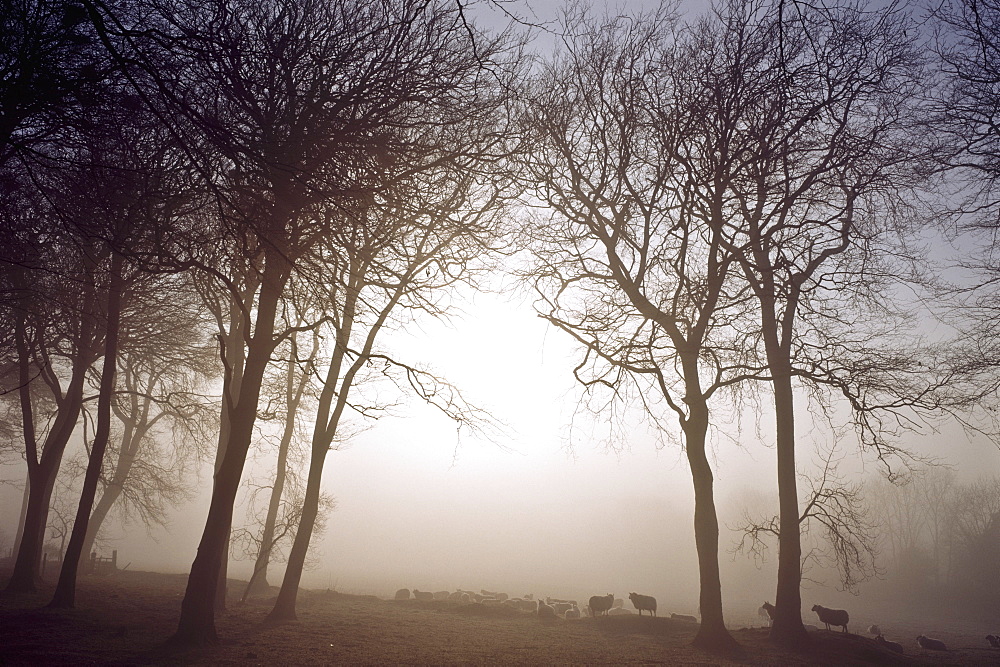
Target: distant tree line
[212, 212]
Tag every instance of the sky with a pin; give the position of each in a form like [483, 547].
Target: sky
[550, 510]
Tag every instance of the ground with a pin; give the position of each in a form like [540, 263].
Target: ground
[125, 617]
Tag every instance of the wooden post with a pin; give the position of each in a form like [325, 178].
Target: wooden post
[114, 559]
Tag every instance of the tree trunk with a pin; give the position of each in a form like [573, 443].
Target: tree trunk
[712, 633]
[21, 515]
[787, 627]
[284, 606]
[197, 620]
[123, 467]
[65, 594]
[259, 583]
[41, 482]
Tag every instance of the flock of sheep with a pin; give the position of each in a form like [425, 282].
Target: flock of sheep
[609, 605]
[549, 608]
[840, 618]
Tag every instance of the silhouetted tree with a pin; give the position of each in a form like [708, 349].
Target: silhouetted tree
[633, 260]
[818, 106]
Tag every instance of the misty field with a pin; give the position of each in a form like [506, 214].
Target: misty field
[124, 619]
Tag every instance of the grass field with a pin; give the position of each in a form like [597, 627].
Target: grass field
[124, 619]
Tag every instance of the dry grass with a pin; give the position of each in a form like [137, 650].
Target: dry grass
[125, 618]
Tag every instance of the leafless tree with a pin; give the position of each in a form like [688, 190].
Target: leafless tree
[839, 510]
[634, 261]
[299, 115]
[298, 374]
[820, 109]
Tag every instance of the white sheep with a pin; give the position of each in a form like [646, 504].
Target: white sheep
[874, 630]
[573, 612]
[832, 616]
[546, 612]
[422, 595]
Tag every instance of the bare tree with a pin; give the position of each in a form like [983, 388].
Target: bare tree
[846, 522]
[284, 106]
[299, 373]
[158, 389]
[819, 105]
[634, 260]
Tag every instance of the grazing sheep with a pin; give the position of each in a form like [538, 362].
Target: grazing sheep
[421, 595]
[441, 595]
[832, 616]
[573, 612]
[684, 617]
[931, 644]
[993, 640]
[892, 646]
[601, 604]
[874, 630]
[768, 610]
[546, 612]
[561, 607]
[621, 611]
[527, 605]
[619, 603]
[403, 594]
[643, 603]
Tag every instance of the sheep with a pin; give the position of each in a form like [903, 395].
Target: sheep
[892, 646]
[620, 611]
[529, 605]
[874, 630]
[643, 603]
[993, 640]
[561, 607]
[832, 616]
[421, 595]
[768, 610]
[619, 603]
[683, 617]
[546, 612]
[573, 612]
[601, 604]
[441, 595]
[403, 594]
[931, 644]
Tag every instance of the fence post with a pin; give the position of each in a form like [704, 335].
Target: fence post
[114, 559]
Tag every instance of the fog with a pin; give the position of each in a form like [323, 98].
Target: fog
[546, 508]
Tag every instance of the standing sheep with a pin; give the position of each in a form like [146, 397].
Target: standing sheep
[403, 594]
[993, 640]
[601, 604]
[643, 603]
[546, 612]
[832, 616]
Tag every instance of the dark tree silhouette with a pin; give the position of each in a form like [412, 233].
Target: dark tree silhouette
[634, 261]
